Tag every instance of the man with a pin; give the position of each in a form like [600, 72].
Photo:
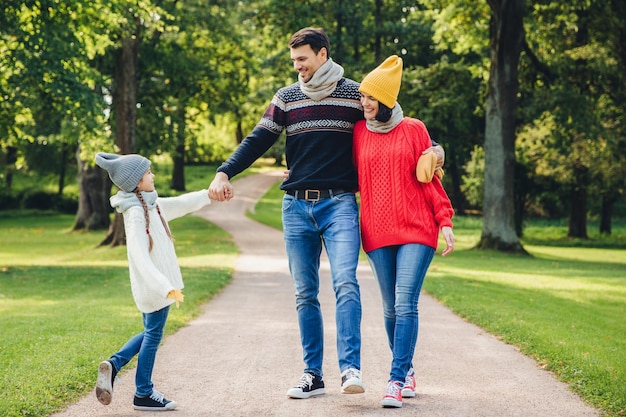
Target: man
[319, 208]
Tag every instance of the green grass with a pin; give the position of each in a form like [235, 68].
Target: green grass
[66, 303]
[567, 314]
[564, 306]
[63, 320]
[268, 209]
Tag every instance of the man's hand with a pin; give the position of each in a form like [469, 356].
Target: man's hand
[221, 188]
[441, 155]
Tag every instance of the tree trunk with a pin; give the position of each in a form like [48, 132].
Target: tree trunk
[63, 168]
[93, 197]
[116, 235]
[580, 172]
[125, 115]
[578, 203]
[506, 36]
[239, 137]
[125, 95]
[178, 173]
[11, 159]
[452, 171]
[606, 213]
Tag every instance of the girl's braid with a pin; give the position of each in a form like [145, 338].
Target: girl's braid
[146, 215]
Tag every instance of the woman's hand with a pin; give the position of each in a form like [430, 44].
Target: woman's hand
[449, 238]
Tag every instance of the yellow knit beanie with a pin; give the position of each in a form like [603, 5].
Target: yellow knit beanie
[383, 83]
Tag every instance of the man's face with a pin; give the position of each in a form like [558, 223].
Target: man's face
[306, 62]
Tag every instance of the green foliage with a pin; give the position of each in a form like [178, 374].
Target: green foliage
[461, 27]
[473, 179]
[56, 286]
[573, 90]
[208, 70]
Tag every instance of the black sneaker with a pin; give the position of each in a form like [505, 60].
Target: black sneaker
[308, 386]
[154, 402]
[104, 384]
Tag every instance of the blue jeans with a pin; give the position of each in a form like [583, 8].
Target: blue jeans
[146, 345]
[333, 223]
[400, 272]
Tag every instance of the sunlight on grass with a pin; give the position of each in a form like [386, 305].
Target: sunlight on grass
[607, 256]
[55, 287]
[561, 306]
[574, 288]
[209, 260]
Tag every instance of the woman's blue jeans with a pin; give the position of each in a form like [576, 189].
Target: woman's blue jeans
[145, 344]
[400, 272]
[333, 223]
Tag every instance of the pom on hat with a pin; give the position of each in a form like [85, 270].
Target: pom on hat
[124, 170]
[383, 83]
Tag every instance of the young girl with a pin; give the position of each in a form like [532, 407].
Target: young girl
[155, 276]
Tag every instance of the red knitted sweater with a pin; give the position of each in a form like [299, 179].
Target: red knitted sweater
[396, 208]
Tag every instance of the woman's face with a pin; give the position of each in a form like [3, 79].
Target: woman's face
[147, 182]
[370, 106]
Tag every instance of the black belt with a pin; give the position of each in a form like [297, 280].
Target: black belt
[315, 195]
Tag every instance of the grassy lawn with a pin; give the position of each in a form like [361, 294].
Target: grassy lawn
[565, 305]
[66, 303]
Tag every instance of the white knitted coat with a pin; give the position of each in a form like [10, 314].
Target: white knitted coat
[154, 274]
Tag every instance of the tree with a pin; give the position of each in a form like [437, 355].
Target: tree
[47, 86]
[573, 89]
[133, 21]
[506, 36]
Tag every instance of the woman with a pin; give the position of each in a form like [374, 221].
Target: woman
[401, 215]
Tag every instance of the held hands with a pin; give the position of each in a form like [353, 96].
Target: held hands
[176, 295]
[220, 188]
[448, 236]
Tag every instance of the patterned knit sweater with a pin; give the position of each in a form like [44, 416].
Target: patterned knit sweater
[154, 274]
[395, 208]
[319, 137]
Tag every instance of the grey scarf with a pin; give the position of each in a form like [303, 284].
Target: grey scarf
[323, 82]
[379, 127]
[122, 201]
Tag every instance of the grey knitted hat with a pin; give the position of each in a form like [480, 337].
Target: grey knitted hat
[124, 170]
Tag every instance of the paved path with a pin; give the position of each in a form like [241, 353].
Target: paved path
[239, 357]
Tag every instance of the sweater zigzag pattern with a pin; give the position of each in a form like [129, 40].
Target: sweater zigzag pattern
[293, 111]
[318, 147]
